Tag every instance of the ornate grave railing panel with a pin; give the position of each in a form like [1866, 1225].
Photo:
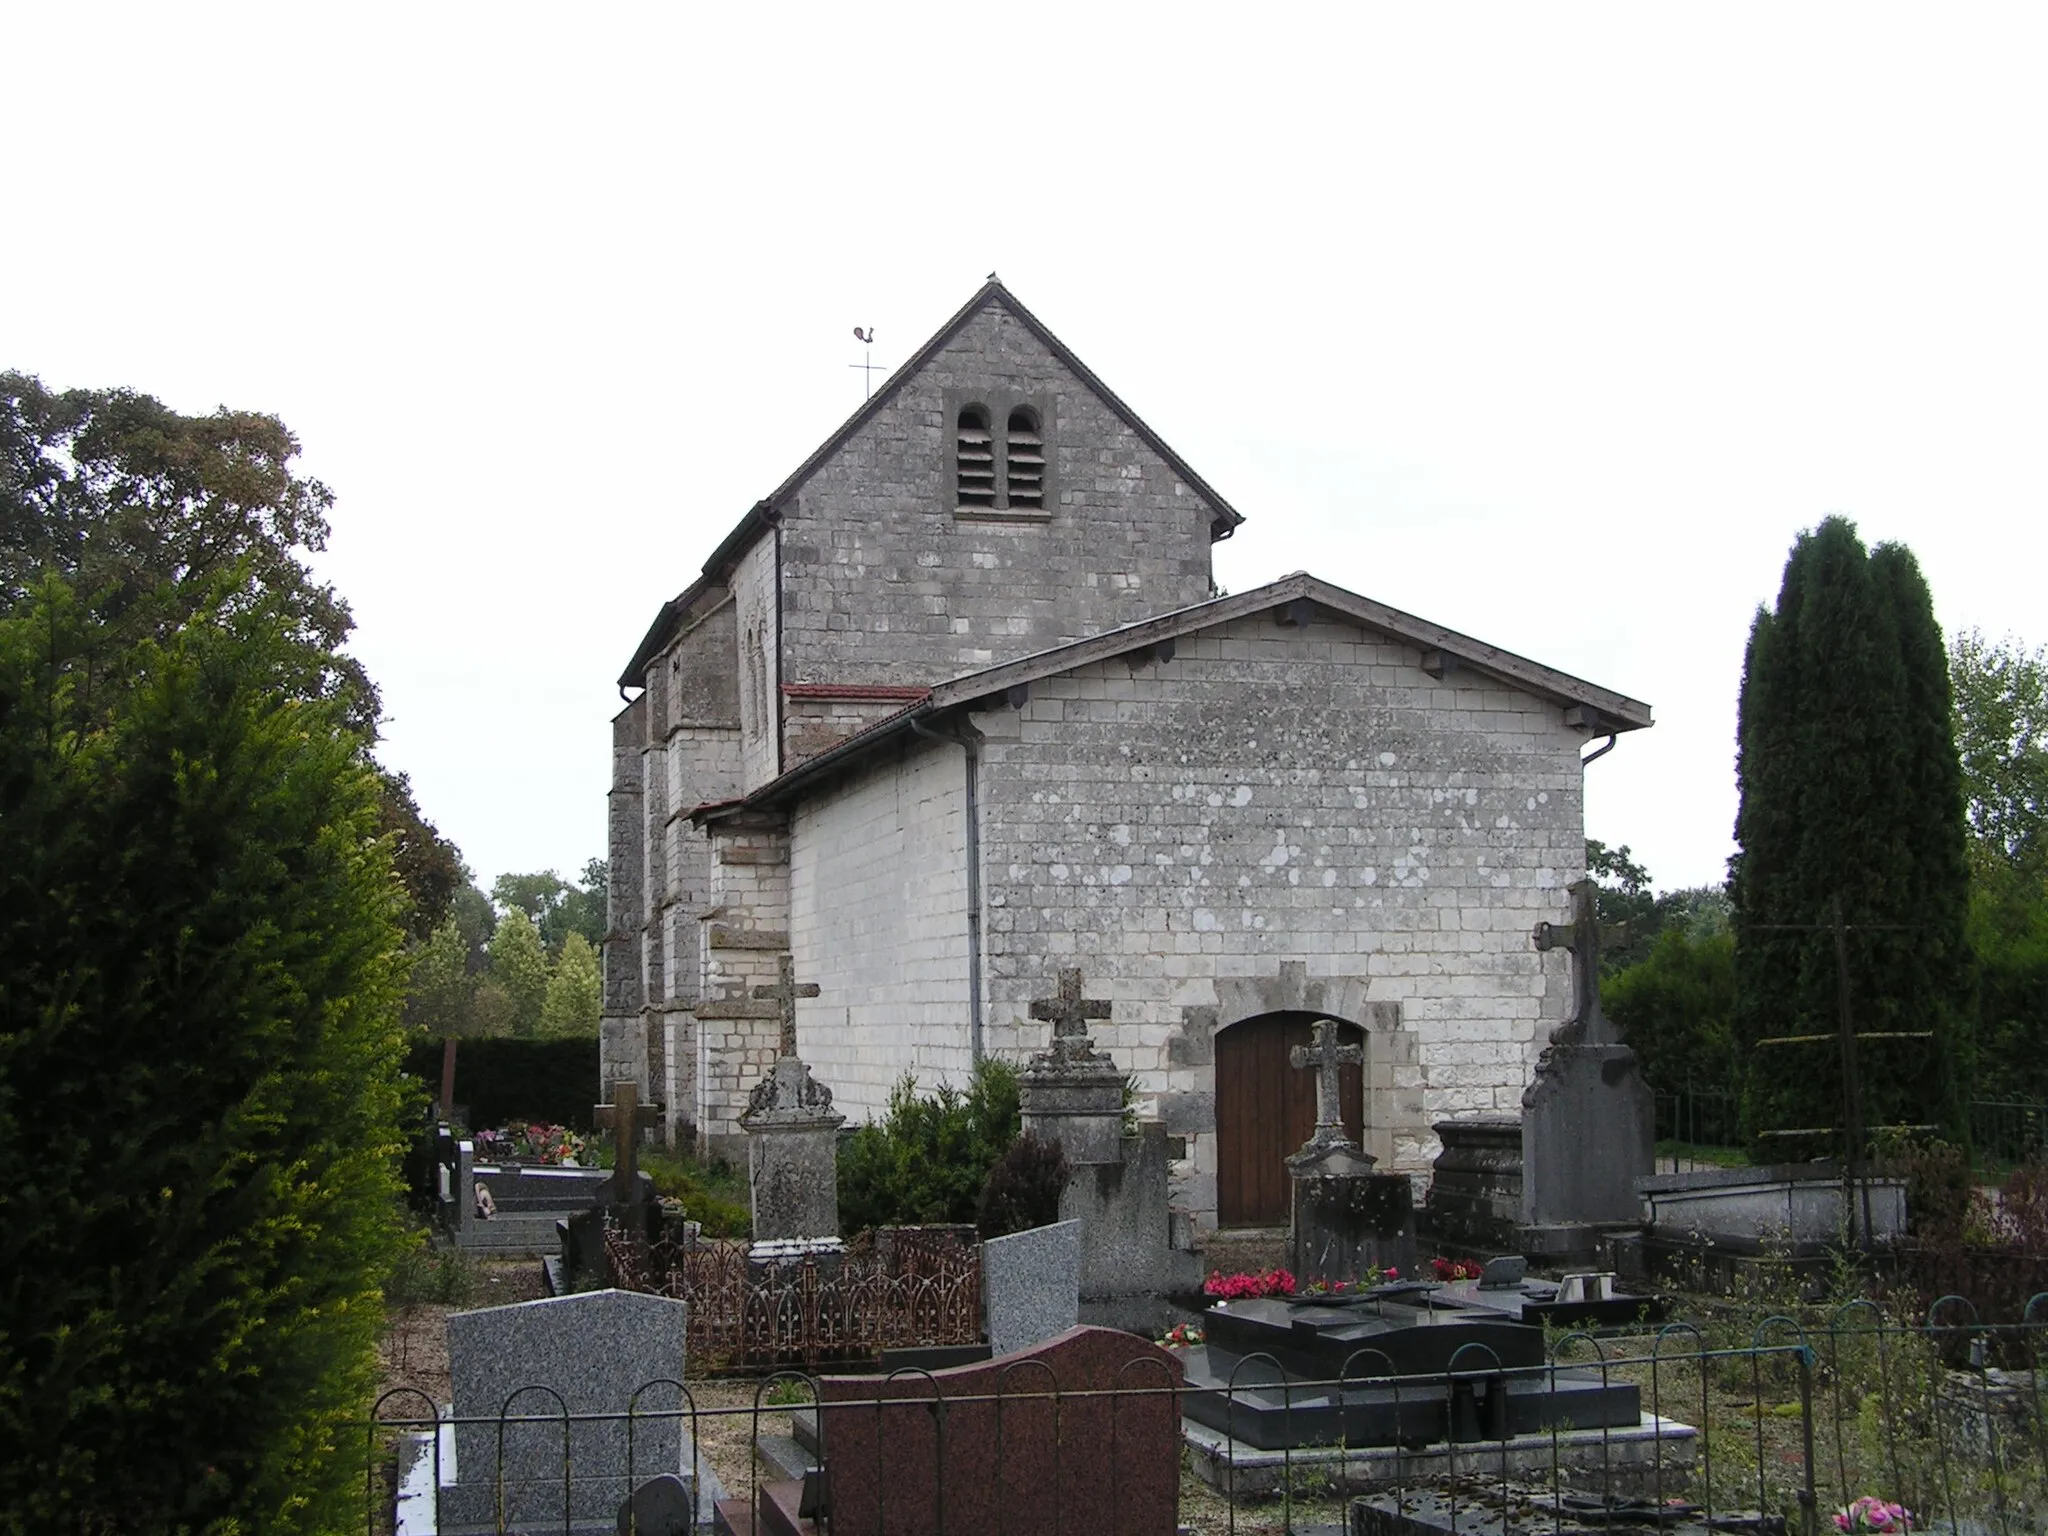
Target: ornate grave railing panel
[922, 1290]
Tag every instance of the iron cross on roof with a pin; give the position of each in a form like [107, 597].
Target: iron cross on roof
[1327, 1057]
[784, 993]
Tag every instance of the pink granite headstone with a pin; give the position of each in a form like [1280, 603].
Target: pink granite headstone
[1027, 1457]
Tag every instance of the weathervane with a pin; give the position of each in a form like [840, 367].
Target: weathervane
[868, 366]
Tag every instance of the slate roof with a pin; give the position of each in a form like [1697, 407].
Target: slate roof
[1601, 710]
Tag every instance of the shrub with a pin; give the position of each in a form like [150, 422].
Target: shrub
[715, 1195]
[927, 1159]
[1023, 1188]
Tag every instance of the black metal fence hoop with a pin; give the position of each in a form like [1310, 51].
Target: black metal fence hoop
[1122, 1391]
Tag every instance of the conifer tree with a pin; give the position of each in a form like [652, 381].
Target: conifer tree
[575, 996]
[1851, 792]
[520, 968]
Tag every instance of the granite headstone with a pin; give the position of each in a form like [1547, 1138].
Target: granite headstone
[585, 1354]
[1031, 1285]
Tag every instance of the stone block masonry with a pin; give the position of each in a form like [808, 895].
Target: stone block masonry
[1285, 793]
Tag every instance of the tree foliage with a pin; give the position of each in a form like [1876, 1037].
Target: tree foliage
[575, 994]
[1851, 791]
[198, 1040]
[520, 969]
[556, 907]
[2001, 701]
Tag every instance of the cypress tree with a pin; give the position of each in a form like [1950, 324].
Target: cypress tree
[1850, 792]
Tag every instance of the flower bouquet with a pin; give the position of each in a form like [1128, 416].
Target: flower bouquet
[1249, 1287]
[1870, 1513]
[1365, 1282]
[1181, 1336]
[1455, 1269]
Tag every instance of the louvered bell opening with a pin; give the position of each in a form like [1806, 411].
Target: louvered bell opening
[976, 453]
[1026, 460]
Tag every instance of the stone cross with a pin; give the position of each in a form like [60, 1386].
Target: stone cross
[626, 1117]
[1326, 1056]
[1069, 1011]
[784, 993]
[1583, 936]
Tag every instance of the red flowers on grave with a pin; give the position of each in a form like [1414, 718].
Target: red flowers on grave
[1874, 1514]
[1455, 1269]
[1249, 1287]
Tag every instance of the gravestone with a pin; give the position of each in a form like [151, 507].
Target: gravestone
[1017, 1460]
[1135, 1249]
[1475, 1189]
[792, 1133]
[1031, 1285]
[660, 1506]
[1588, 1119]
[1347, 1219]
[587, 1354]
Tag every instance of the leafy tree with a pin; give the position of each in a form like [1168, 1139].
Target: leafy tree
[1675, 1007]
[575, 995]
[440, 991]
[2001, 694]
[471, 911]
[520, 969]
[427, 864]
[1851, 792]
[554, 906]
[1621, 895]
[199, 942]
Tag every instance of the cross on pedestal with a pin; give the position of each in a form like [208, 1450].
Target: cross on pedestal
[784, 993]
[1583, 936]
[626, 1117]
[1326, 1056]
[1069, 1012]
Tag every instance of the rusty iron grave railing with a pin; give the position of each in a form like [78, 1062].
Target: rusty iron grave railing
[912, 1288]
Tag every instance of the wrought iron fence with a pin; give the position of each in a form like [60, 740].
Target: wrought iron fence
[1790, 1421]
[2002, 1131]
[2007, 1131]
[1700, 1117]
[920, 1290]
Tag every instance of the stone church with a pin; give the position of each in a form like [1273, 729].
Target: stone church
[956, 706]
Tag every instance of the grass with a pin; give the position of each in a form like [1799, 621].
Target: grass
[1697, 1153]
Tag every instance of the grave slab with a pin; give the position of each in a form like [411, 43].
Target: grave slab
[1031, 1285]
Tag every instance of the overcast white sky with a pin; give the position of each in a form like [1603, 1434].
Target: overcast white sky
[1553, 324]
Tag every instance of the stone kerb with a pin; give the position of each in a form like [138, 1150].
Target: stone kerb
[1031, 1285]
[546, 1360]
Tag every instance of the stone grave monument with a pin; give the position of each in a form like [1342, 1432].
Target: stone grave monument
[1071, 1465]
[552, 1363]
[792, 1134]
[1031, 1285]
[1588, 1119]
[1347, 1219]
[625, 1199]
[1134, 1249]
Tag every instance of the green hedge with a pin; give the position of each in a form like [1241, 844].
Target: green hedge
[503, 1080]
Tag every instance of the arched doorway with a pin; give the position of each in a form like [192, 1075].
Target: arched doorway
[1266, 1108]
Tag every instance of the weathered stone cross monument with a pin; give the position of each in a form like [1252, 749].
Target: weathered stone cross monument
[784, 994]
[1328, 1058]
[1583, 936]
[1588, 1120]
[791, 1126]
[1068, 1012]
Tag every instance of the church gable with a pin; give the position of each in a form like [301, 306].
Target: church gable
[993, 502]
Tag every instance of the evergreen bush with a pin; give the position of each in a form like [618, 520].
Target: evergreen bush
[927, 1159]
[1023, 1188]
[199, 1086]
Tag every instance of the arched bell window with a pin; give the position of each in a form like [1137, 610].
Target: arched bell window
[1024, 460]
[976, 455]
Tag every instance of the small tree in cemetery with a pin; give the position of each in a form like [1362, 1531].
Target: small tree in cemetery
[1850, 792]
[199, 940]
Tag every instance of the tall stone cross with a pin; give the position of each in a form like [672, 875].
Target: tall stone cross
[626, 1117]
[784, 993]
[1327, 1057]
[1583, 936]
[1069, 1012]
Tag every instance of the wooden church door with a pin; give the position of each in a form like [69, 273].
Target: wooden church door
[1265, 1110]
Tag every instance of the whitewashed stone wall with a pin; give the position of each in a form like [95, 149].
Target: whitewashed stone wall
[1284, 794]
[878, 918]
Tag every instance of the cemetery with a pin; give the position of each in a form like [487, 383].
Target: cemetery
[1084, 1374]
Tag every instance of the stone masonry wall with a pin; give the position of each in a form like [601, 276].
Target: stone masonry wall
[625, 902]
[740, 938]
[878, 918]
[883, 581]
[753, 587]
[1284, 794]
